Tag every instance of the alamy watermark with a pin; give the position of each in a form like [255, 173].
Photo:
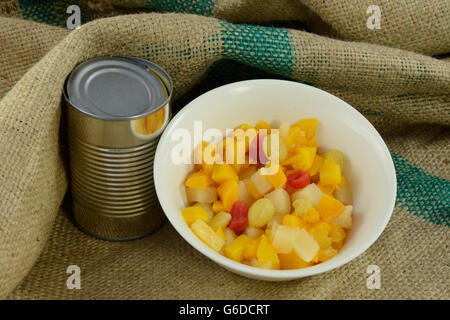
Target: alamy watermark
[262, 146]
[74, 280]
[374, 20]
[74, 20]
[374, 279]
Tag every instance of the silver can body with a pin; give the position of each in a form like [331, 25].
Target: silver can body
[117, 108]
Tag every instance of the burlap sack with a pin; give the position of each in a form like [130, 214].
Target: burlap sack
[405, 94]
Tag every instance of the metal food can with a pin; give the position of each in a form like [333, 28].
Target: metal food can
[117, 108]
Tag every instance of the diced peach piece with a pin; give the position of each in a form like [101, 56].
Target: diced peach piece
[278, 180]
[198, 180]
[251, 246]
[235, 250]
[329, 208]
[292, 261]
[330, 172]
[266, 253]
[223, 172]
[309, 126]
[292, 221]
[192, 214]
[317, 162]
[228, 193]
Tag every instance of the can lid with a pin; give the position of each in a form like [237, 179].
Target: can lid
[117, 88]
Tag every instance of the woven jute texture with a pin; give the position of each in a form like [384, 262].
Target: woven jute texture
[397, 76]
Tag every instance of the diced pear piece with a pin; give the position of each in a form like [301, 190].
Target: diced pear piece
[262, 184]
[345, 219]
[311, 192]
[253, 232]
[281, 201]
[198, 195]
[283, 238]
[305, 246]
[220, 220]
[243, 194]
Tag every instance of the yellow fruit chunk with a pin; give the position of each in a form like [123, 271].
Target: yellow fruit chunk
[235, 250]
[329, 208]
[327, 254]
[330, 172]
[263, 125]
[278, 180]
[221, 234]
[292, 221]
[295, 138]
[250, 186]
[204, 232]
[198, 180]
[307, 155]
[311, 142]
[309, 126]
[192, 214]
[228, 193]
[217, 206]
[312, 216]
[266, 253]
[220, 220]
[302, 160]
[251, 245]
[317, 162]
[320, 233]
[292, 261]
[336, 155]
[336, 233]
[223, 172]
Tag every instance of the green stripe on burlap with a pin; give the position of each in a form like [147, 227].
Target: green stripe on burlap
[423, 194]
[46, 11]
[204, 7]
[268, 49]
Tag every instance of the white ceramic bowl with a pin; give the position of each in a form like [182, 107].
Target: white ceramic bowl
[369, 167]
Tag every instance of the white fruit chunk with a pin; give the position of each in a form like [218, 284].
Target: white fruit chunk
[281, 201]
[198, 195]
[262, 184]
[243, 194]
[305, 246]
[220, 220]
[311, 192]
[253, 232]
[283, 238]
[345, 219]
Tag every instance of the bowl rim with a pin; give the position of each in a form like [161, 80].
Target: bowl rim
[243, 269]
